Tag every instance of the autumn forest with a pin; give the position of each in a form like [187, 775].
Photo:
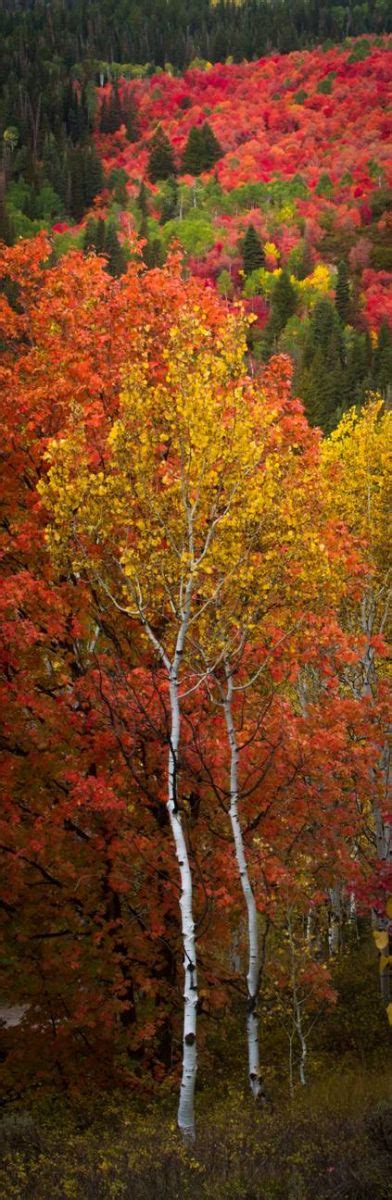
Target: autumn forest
[196, 387]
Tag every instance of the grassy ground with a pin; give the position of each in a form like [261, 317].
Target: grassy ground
[334, 1143]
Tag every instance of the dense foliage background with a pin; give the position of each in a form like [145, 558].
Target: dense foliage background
[188, 245]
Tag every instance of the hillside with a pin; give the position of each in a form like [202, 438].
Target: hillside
[298, 149]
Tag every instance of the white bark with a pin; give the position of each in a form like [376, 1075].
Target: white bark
[186, 1109]
[186, 1113]
[252, 978]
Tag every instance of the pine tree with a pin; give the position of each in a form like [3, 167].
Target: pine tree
[192, 162]
[252, 251]
[202, 150]
[142, 199]
[211, 147]
[342, 293]
[382, 367]
[6, 230]
[114, 251]
[161, 162]
[77, 195]
[169, 205]
[283, 306]
[90, 236]
[130, 116]
[93, 174]
[100, 236]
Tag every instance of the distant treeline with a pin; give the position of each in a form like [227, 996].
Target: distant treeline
[49, 169]
[175, 31]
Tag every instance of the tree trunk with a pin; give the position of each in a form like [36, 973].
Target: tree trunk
[252, 978]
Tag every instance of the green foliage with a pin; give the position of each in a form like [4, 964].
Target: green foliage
[224, 284]
[202, 150]
[360, 51]
[342, 293]
[283, 306]
[194, 232]
[118, 183]
[324, 186]
[252, 251]
[324, 87]
[102, 237]
[169, 201]
[161, 164]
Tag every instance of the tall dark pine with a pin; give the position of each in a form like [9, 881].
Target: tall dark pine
[202, 150]
[212, 149]
[161, 163]
[252, 251]
[115, 254]
[192, 162]
[93, 175]
[342, 294]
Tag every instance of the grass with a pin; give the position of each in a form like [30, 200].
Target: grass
[334, 1142]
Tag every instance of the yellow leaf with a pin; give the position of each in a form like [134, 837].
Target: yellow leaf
[381, 938]
[388, 907]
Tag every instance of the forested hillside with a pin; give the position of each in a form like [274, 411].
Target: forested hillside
[273, 177]
[195, 400]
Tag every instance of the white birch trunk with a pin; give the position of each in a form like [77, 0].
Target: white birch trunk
[186, 1107]
[186, 1112]
[252, 978]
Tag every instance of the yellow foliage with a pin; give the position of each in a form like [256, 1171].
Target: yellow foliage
[200, 491]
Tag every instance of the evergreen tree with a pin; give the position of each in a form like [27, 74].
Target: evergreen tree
[93, 175]
[130, 117]
[169, 205]
[252, 251]
[142, 199]
[153, 254]
[382, 368]
[161, 162]
[77, 195]
[212, 150]
[114, 251]
[342, 293]
[192, 162]
[100, 236]
[90, 236]
[111, 116]
[202, 150]
[283, 306]
[6, 230]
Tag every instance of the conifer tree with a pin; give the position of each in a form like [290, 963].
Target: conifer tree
[93, 175]
[169, 205]
[6, 230]
[114, 251]
[383, 362]
[252, 251]
[142, 199]
[212, 149]
[130, 117]
[161, 163]
[342, 294]
[202, 150]
[283, 306]
[90, 236]
[100, 235]
[77, 194]
[193, 156]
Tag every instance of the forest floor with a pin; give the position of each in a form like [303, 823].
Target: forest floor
[332, 1143]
